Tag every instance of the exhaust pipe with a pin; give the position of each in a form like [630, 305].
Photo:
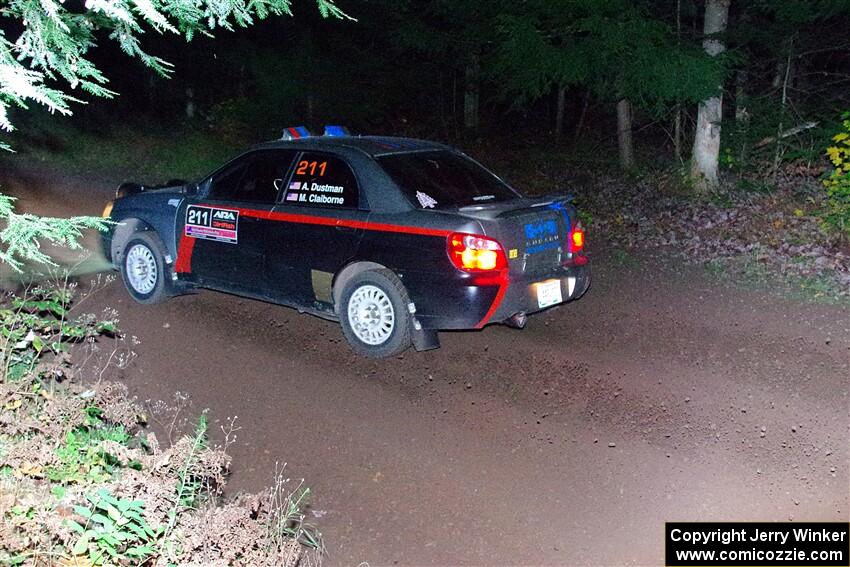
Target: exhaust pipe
[517, 320]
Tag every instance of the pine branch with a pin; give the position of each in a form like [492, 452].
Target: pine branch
[55, 42]
[20, 240]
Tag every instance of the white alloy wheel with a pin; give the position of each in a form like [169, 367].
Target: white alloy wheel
[141, 269]
[371, 315]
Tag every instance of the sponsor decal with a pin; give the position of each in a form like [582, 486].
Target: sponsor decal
[541, 229]
[425, 201]
[542, 247]
[541, 235]
[211, 223]
[513, 253]
[224, 215]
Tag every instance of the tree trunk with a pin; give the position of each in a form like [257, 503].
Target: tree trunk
[778, 72]
[454, 101]
[624, 133]
[742, 115]
[151, 91]
[441, 109]
[580, 123]
[677, 118]
[777, 154]
[677, 134]
[706, 153]
[470, 95]
[190, 104]
[559, 113]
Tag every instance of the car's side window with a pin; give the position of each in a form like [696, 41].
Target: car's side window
[256, 179]
[223, 184]
[322, 180]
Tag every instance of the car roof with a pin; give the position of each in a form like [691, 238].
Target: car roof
[374, 146]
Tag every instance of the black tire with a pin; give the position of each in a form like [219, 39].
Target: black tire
[398, 338]
[146, 286]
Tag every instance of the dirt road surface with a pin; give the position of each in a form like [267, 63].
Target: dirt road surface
[663, 395]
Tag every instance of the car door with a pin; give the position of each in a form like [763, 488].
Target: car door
[323, 214]
[229, 221]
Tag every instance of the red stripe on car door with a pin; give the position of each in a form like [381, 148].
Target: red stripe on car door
[187, 243]
[185, 247]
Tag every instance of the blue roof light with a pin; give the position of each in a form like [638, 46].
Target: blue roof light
[334, 130]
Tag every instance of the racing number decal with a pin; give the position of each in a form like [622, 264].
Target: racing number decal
[312, 166]
[212, 223]
[198, 216]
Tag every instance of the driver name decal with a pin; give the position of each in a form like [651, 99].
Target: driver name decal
[212, 223]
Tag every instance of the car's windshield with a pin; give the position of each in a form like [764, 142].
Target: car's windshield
[444, 179]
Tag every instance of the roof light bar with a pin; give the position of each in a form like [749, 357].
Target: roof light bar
[295, 133]
[334, 130]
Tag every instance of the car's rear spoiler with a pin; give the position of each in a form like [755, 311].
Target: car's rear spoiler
[132, 188]
[506, 209]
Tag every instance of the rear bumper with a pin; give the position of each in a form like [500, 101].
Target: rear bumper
[461, 301]
[522, 294]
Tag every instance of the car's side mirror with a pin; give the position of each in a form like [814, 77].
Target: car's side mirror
[190, 189]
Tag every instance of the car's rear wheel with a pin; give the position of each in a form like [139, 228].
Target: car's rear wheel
[374, 314]
[143, 268]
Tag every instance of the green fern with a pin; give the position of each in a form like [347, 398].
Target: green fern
[22, 236]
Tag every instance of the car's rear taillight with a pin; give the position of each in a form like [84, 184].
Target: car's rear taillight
[576, 239]
[476, 253]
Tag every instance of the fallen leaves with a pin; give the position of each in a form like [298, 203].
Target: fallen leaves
[76, 561]
[28, 468]
[771, 231]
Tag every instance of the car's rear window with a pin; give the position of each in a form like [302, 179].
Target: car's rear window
[442, 179]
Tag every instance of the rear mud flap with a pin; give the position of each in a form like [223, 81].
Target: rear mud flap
[424, 339]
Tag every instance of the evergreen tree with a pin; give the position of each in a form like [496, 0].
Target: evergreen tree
[457, 32]
[45, 42]
[792, 71]
[615, 48]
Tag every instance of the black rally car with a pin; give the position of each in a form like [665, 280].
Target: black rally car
[395, 238]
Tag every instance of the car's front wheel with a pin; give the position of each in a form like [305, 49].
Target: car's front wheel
[143, 268]
[374, 314]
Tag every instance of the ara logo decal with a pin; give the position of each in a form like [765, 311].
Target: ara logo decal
[222, 214]
[212, 224]
[542, 229]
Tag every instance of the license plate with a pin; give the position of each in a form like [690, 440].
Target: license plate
[549, 293]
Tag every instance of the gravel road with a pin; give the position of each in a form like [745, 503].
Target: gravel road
[663, 395]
